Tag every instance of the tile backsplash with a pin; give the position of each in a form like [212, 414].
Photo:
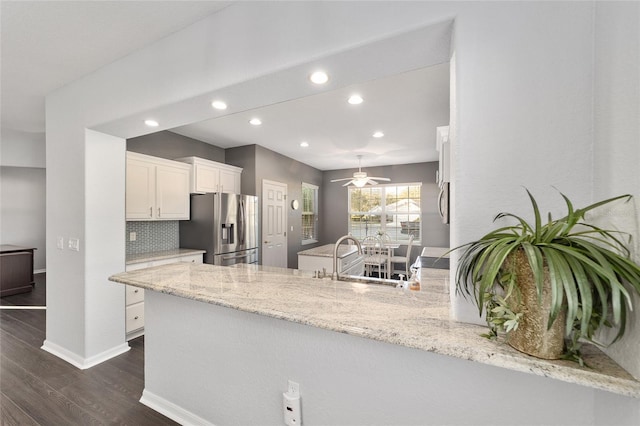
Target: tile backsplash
[153, 236]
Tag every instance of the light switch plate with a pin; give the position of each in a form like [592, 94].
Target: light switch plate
[74, 244]
[60, 243]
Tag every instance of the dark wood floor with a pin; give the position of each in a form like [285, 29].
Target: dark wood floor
[37, 388]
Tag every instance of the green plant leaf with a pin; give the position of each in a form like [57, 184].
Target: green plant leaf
[536, 212]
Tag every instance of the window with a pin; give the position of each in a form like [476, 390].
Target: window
[391, 209]
[309, 213]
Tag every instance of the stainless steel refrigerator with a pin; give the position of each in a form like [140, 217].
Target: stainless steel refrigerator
[225, 225]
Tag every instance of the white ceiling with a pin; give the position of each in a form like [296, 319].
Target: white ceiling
[46, 45]
[406, 108]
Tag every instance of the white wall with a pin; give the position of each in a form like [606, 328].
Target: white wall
[344, 380]
[22, 149]
[524, 98]
[524, 114]
[617, 137]
[22, 192]
[22, 210]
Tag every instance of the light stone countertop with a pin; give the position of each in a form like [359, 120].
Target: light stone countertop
[413, 319]
[160, 255]
[327, 251]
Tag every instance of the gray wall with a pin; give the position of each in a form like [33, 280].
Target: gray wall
[245, 157]
[22, 210]
[273, 166]
[172, 145]
[334, 207]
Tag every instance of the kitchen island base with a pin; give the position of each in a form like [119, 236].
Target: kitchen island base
[209, 364]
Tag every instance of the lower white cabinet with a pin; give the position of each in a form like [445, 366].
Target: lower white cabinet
[134, 296]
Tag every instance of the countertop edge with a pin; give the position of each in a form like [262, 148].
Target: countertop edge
[523, 363]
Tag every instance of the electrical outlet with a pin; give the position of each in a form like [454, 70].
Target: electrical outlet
[293, 388]
[291, 409]
[133, 236]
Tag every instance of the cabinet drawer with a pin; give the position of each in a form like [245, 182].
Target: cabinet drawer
[196, 258]
[134, 295]
[134, 317]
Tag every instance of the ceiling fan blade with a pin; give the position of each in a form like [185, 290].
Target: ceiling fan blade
[380, 178]
[348, 183]
[372, 182]
[338, 180]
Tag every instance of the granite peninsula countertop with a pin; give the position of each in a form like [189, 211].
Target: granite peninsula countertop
[160, 255]
[327, 251]
[418, 320]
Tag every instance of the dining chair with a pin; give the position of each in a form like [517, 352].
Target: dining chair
[375, 256]
[404, 259]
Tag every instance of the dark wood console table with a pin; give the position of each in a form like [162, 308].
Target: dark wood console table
[16, 269]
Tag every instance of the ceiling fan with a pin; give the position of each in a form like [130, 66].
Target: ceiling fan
[360, 178]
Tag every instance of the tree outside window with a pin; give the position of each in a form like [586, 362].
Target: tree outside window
[391, 209]
[309, 213]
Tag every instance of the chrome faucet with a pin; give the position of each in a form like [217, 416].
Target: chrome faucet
[335, 275]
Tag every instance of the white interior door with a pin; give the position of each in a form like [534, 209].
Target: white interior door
[274, 224]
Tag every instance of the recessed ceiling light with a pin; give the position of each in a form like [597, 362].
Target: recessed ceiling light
[304, 144]
[355, 100]
[255, 122]
[219, 105]
[151, 123]
[378, 134]
[319, 77]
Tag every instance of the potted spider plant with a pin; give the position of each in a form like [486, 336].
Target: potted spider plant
[542, 283]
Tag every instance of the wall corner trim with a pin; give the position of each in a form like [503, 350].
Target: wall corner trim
[80, 362]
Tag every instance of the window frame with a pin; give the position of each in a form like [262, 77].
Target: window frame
[383, 204]
[316, 191]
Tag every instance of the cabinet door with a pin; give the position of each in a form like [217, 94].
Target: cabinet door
[172, 193]
[206, 179]
[140, 196]
[228, 181]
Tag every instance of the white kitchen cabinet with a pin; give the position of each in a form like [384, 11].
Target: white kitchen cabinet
[134, 296]
[211, 176]
[157, 189]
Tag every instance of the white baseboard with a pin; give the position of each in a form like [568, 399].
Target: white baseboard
[39, 271]
[81, 362]
[171, 410]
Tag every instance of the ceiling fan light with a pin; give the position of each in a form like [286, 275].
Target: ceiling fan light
[360, 182]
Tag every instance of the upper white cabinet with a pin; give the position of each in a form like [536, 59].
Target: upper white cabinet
[157, 189]
[443, 147]
[211, 176]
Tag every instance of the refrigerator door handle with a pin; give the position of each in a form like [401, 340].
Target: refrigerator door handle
[242, 225]
[240, 256]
